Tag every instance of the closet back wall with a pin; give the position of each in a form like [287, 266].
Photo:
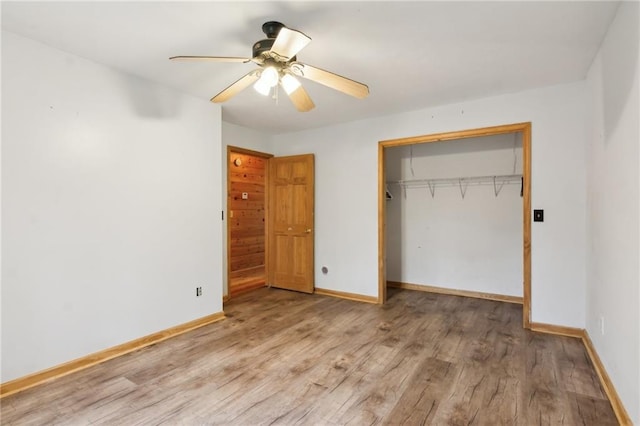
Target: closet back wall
[472, 243]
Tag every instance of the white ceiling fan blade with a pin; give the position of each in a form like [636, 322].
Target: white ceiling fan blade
[329, 79]
[301, 100]
[209, 58]
[236, 87]
[289, 42]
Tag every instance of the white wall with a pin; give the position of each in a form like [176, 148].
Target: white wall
[347, 190]
[613, 276]
[473, 243]
[111, 196]
[241, 137]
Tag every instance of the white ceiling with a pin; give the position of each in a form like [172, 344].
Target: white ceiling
[412, 55]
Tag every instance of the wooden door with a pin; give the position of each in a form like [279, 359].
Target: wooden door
[290, 254]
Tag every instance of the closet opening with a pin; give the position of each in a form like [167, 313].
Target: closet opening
[454, 214]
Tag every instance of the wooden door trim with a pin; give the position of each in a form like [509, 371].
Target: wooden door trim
[525, 129]
[238, 150]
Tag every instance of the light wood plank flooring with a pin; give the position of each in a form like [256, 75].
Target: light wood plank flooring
[288, 358]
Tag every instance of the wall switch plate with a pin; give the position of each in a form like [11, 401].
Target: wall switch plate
[538, 215]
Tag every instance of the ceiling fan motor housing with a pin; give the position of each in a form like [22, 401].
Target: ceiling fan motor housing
[262, 46]
[262, 50]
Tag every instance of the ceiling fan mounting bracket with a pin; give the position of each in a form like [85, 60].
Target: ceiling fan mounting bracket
[272, 28]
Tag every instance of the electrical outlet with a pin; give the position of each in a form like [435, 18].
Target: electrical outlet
[602, 325]
[198, 291]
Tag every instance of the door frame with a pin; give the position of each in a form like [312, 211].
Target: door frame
[238, 150]
[523, 128]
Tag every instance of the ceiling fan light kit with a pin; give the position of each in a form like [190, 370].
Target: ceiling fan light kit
[269, 78]
[289, 83]
[276, 57]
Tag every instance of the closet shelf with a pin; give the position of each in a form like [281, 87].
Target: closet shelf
[457, 181]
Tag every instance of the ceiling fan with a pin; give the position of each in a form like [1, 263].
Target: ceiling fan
[276, 57]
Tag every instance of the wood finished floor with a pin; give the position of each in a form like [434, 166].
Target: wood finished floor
[288, 358]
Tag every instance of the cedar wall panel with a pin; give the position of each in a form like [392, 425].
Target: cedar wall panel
[246, 222]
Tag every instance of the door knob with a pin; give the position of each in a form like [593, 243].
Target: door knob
[308, 230]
